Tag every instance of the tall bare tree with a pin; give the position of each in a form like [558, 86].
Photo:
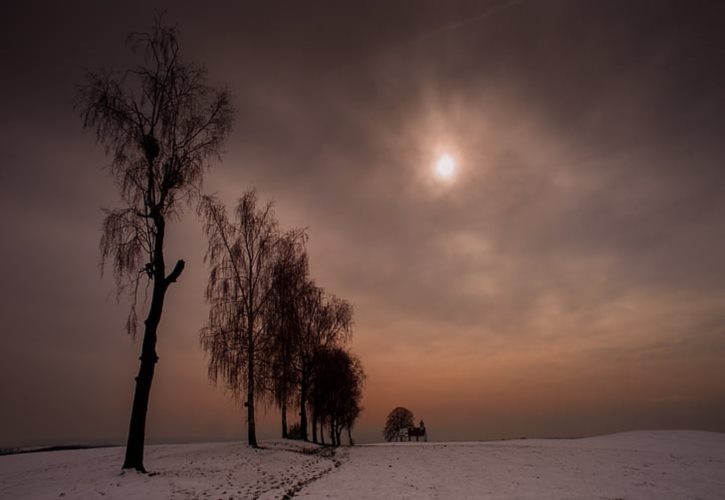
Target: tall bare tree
[351, 406]
[289, 277]
[325, 321]
[337, 391]
[241, 256]
[161, 123]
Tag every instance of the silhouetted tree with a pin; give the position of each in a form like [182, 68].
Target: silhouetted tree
[352, 404]
[289, 276]
[241, 258]
[161, 124]
[325, 321]
[337, 390]
[398, 419]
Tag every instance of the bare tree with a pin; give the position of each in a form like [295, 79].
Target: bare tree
[289, 276]
[241, 256]
[398, 419]
[325, 321]
[337, 391]
[352, 402]
[161, 124]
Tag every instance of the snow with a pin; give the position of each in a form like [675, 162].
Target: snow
[644, 464]
[652, 464]
[214, 470]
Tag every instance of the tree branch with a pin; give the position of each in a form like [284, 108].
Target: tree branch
[175, 273]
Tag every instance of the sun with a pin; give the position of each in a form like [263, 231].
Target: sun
[445, 166]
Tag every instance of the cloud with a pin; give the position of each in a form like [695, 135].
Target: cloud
[574, 268]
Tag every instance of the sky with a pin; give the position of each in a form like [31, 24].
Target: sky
[568, 279]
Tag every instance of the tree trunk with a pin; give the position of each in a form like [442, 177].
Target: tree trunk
[349, 436]
[285, 435]
[251, 428]
[303, 408]
[314, 427]
[137, 425]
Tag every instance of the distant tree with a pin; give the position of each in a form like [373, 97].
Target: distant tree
[289, 276]
[161, 124]
[241, 256]
[398, 419]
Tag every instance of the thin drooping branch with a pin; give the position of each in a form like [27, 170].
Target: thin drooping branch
[161, 124]
[241, 257]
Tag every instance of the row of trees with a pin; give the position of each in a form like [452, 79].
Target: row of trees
[271, 331]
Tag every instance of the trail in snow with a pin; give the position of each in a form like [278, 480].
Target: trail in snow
[215, 470]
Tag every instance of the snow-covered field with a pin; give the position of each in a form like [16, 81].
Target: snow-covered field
[645, 464]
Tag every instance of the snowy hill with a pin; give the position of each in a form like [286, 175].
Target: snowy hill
[647, 464]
